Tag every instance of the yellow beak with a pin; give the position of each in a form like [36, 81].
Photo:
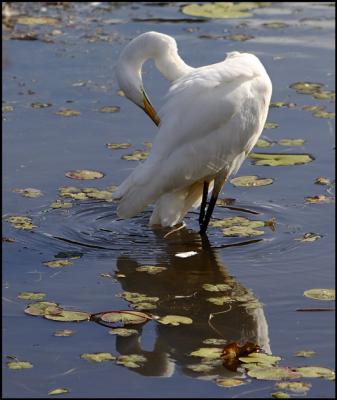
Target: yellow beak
[150, 111]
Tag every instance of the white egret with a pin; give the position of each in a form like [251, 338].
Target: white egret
[212, 118]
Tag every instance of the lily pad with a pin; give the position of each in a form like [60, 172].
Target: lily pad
[137, 155]
[321, 198]
[279, 104]
[19, 365]
[291, 142]
[306, 87]
[239, 37]
[279, 159]
[39, 308]
[41, 105]
[125, 317]
[222, 9]
[100, 195]
[275, 25]
[84, 174]
[280, 395]
[66, 191]
[297, 387]
[313, 108]
[150, 269]
[29, 192]
[309, 237]
[58, 263]
[20, 222]
[215, 341]
[220, 287]
[123, 332]
[316, 372]
[69, 316]
[229, 382]
[7, 108]
[67, 112]
[175, 320]
[321, 294]
[131, 360]
[60, 204]
[251, 180]
[114, 146]
[134, 297]
[305, 353]
[64, 333]
[109, 109]
[270, 125]
[273, 373]
[58, 391]
[220, 301]
[202, 368]
[324, 114]
[321, 180]
[25, 20]
[260, 358]
[207, 352]
[263, 143]
[236, 221]
[31, 296]
[144, 306]
[324, 95]
[98, 357]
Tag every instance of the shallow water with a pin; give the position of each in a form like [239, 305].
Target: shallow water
[271, 271]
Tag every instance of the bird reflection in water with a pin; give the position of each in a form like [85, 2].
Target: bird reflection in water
[180, 291]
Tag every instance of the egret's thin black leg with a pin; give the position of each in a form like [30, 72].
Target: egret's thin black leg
[203, 203]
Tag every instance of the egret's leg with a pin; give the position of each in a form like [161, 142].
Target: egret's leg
[203, 203]
[218, 183]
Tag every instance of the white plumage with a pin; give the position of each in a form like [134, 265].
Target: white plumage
[211, 120]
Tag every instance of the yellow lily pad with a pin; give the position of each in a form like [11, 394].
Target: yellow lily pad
[279, 159]
[280, 395]
[98, 357]
[222, 9]
[84, 174]
[19, 365]
[316, 372]
[297, 387]
[229, 382]
[66, 191]
[29, 192]
[20, 222]
[31, 296]
[137, 155]
[56, 391]
[39, 308]
[68, 316]
[324, 114]
[123, 332]
[114, 146]
[220, 301]
[67, 112]
[109, 109]
[125, 317]
[260, 358]
[100, 195]
[151, 269]
[220, 287]
[202, 368]
[131, 360]
[175, 320]
[251, 180]
[273, 373]
[58, 263]
[313, 108]
[321, 294]
[263, 143]
[236, 221]
[321, 198]
[207, 352]
[291, 142]
[306, 87]
[25, 20]
[324, 95]
[270, 125]
[60, 204]
[305, 353]
[321, 180]
[309, 237]
[275, 25]
[64, 333]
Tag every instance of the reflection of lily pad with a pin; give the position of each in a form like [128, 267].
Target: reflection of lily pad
[98, 357]
[19, 365]
[297, 387]
[306, 87]
[291, 142]
[229, 382]
[137, 155]
[222, 9]
[123, 332]
[150, 269]
[31, 296]
[316, 372]
[251, 180]
[321, 294]
[131, 360]
[207, 352]
[175, 320]
[279, 159]
[273, 373]
[84, 174]
[69, 316]
[305, 353]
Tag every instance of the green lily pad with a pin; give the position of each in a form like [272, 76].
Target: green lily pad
[313, 108]
[297, 387]
[84, 174]
[66, 191]
[123, 332]
[19, 365]
[236, 221]
[39, 308]
[68, 316]
[324, 95]
[175, 320]
[324, 114]
[251, 180]
[321, 198]
[306, 87]
[275, 25]
[291, 142]
[20, 222]
[131, 360]
[279, 159]
[109, 109]
[125, 317]
[260, 358]
[58, 391]
[220, 301]
[229, 382]
[114, 146]
[150, 269]
[270, 125]
[58, 263]
[25, 20]
[31, 296]
[321, 180]
[316, 372]
[222, 9]
[98, 357]
[134, 297]
[273, 373]
[321, 294]
[67, 112]
[29, 192]
[64, 333]
[280, 395]
[215, 341]
[207, 352]
[60, 204]
[305, 353]
[100, 195]
[137, 155]
[263, 143]
[202, 368]
[309, 237]
[220, 287]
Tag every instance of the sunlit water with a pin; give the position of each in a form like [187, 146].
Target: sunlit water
[266, 274]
